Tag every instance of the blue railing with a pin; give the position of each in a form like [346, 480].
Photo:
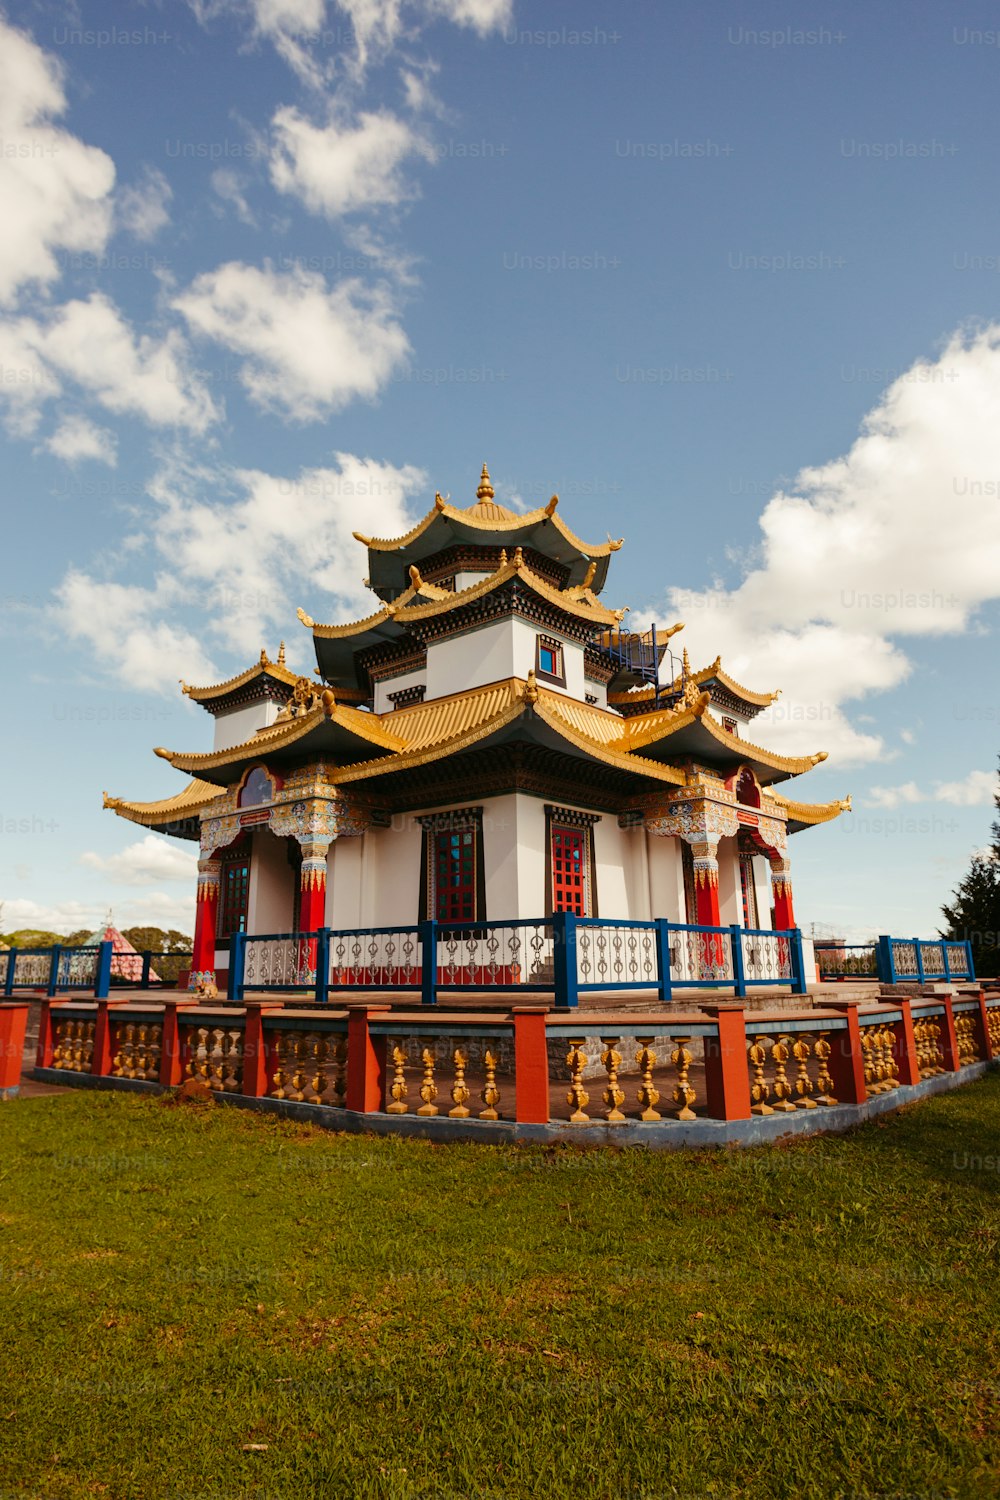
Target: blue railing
[57, 969]
[562, 954]
[894, 960]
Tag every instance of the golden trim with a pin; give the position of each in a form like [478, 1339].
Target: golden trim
[469, 517]
[263, 668]
[184, 804]
[706, 674]
[811, 813]
[279, 736]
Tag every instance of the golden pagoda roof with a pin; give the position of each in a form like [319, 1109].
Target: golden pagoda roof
[809, 814]
[579, 601]
[355, 731]
[189, 803]
[491, 518]
[264, 668]
[712, 673]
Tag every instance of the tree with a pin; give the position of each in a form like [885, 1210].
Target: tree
[974, 913]
[156, 940]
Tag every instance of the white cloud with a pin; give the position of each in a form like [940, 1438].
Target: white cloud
[977, 789]
[92, 343]
[150, 860]
[240, 550]
[26, 382]
[230, 186]
[307, 348]
[78, 438]
[143, 209]
[55, 192]
[341, 168]
[378, 25]
[845, 571]
[133, 630]
[157, 909]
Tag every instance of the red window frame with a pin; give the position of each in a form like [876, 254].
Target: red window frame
[454, 882]
[570, 853]
[234, 890]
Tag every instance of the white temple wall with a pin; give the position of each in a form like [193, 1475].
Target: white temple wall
[390, 873]
[613, 855]
[271, 899]
[382, 703]
[241, 724]
[343, 882]
[531, 895]
[730, 891]
[762, 887]
[666, 877]
[504, 648]
[501, 857]
[598, 690]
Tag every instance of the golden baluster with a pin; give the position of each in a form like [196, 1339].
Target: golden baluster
[757, 1055]
[130, 1050]
[801, 1051]
[155, 1052]
[648, 1095]
[879, 1058]
[824, 1081]
[490, 1094]
[973, 1040]
[280, 1054]
[300, 1077]
[683, 1094]
[75, 1045]
[782, 1088]
[340, 1075]
[87, 1050]
[59, 1050]
[614, 1094]
[397, 1089]
[577, 1096]
[460, 1091]
[319, 1079]
[142, 1051]
[889, 1058]
[920, 1037]
[868, 1061]
[428, 1088]
[937, 1052]
[118, 1057]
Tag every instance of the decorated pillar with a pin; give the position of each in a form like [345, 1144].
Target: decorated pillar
[781, 890]
[206, 915]
[312, 882]
[706, 883]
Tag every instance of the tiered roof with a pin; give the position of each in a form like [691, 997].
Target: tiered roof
[643, 741]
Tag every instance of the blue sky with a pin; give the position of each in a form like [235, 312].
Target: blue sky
[724, 277]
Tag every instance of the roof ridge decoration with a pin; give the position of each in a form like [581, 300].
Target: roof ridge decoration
[263, 667]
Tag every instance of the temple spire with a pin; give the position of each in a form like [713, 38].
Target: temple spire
[485, 490]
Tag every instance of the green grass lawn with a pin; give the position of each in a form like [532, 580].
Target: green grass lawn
[389, 1318]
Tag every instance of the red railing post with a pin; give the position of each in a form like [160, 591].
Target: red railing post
[13, 1025]
[981, 1021]
[847, 1063]
[46, 1036]
[904, 1046]
[103, 1054]
[531, 1066]
[365, 1059]
[727, 1080]
[255, 1053]
[949, 1038]
[171, 1060]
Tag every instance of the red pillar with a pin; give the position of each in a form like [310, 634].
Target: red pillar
[727, 1079]
[46, 1036]
[531, 1067]
[904, 1049]
[256, 1062]
[206, 913]
[949, 1039]
[13, 1024]
[847, 1063]
[312, 899]
[102, 1056]
[365, 1060]
[781, 890]
[171, 1061]
[981, 1021]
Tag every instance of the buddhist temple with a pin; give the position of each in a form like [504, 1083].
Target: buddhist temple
[490, 743]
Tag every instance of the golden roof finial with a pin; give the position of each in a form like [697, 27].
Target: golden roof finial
[503, 557]
[307, 620]
[685, 663]
[281, 653]
[263, 657]
[415, 579]
[485, 490]
[550, 509]
[518, 557]
[531, 688]
[439, 501]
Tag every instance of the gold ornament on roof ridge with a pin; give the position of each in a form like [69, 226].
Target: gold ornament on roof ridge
[485, 490]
